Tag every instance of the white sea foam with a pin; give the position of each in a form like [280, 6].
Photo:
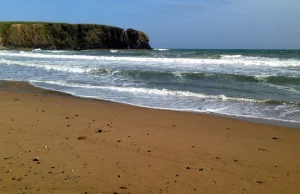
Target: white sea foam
[272, 62]
[161, 49]
[177, 74]
[55, 51]
[216, 110]
[36, 50]
[231, 56]
[152, 91]
[48, 67]
[114, 51]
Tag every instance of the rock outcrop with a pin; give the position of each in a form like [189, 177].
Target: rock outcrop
[70, 36]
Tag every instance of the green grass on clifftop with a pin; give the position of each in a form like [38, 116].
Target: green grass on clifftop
[4, 27]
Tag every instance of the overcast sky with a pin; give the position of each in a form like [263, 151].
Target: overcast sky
[248, 24]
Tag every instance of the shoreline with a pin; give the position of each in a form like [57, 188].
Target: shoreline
[266, 121]
[56, 143]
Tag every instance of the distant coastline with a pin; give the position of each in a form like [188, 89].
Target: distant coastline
[61, 36]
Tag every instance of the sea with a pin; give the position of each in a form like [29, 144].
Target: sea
[256, 85]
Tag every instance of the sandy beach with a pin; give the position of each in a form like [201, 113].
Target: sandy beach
[55, 143]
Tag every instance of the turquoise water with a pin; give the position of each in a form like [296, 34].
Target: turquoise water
[246, 83]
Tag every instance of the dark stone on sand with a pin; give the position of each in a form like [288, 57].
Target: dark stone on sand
[124, 187]
[119, 141]
[188, 168]
[218, 158]
[99, 131]
[82, 138]
[36, 159]
[67, 117]
[76, 115]
[275, 138]
[201, 169]
[262, 149]
[260, 182]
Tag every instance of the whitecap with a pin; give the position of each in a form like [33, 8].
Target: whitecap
[161, 49]
[34, 50]
[152, 91]
[269, 62]
[65, 68]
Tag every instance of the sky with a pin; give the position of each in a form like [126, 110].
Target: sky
[203, 24]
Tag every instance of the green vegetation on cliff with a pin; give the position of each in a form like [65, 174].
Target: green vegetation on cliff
[15, 35]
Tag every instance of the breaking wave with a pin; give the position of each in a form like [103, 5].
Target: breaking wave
[144, 74]
[233, 60]
[166, 92]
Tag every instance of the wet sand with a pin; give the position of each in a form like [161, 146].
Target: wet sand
[54, 143]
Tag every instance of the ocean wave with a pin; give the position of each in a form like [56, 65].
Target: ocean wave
[153, 91]
[64, 68]
[200, 76]
[285, 88]
[244, 61]
[144, 74]
[167, 92]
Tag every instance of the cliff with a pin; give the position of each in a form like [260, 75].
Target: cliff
[70, 36]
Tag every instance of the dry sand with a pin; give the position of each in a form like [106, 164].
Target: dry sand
[137, 150]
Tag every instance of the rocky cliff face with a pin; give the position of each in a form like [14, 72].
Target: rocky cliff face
[70, 36]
